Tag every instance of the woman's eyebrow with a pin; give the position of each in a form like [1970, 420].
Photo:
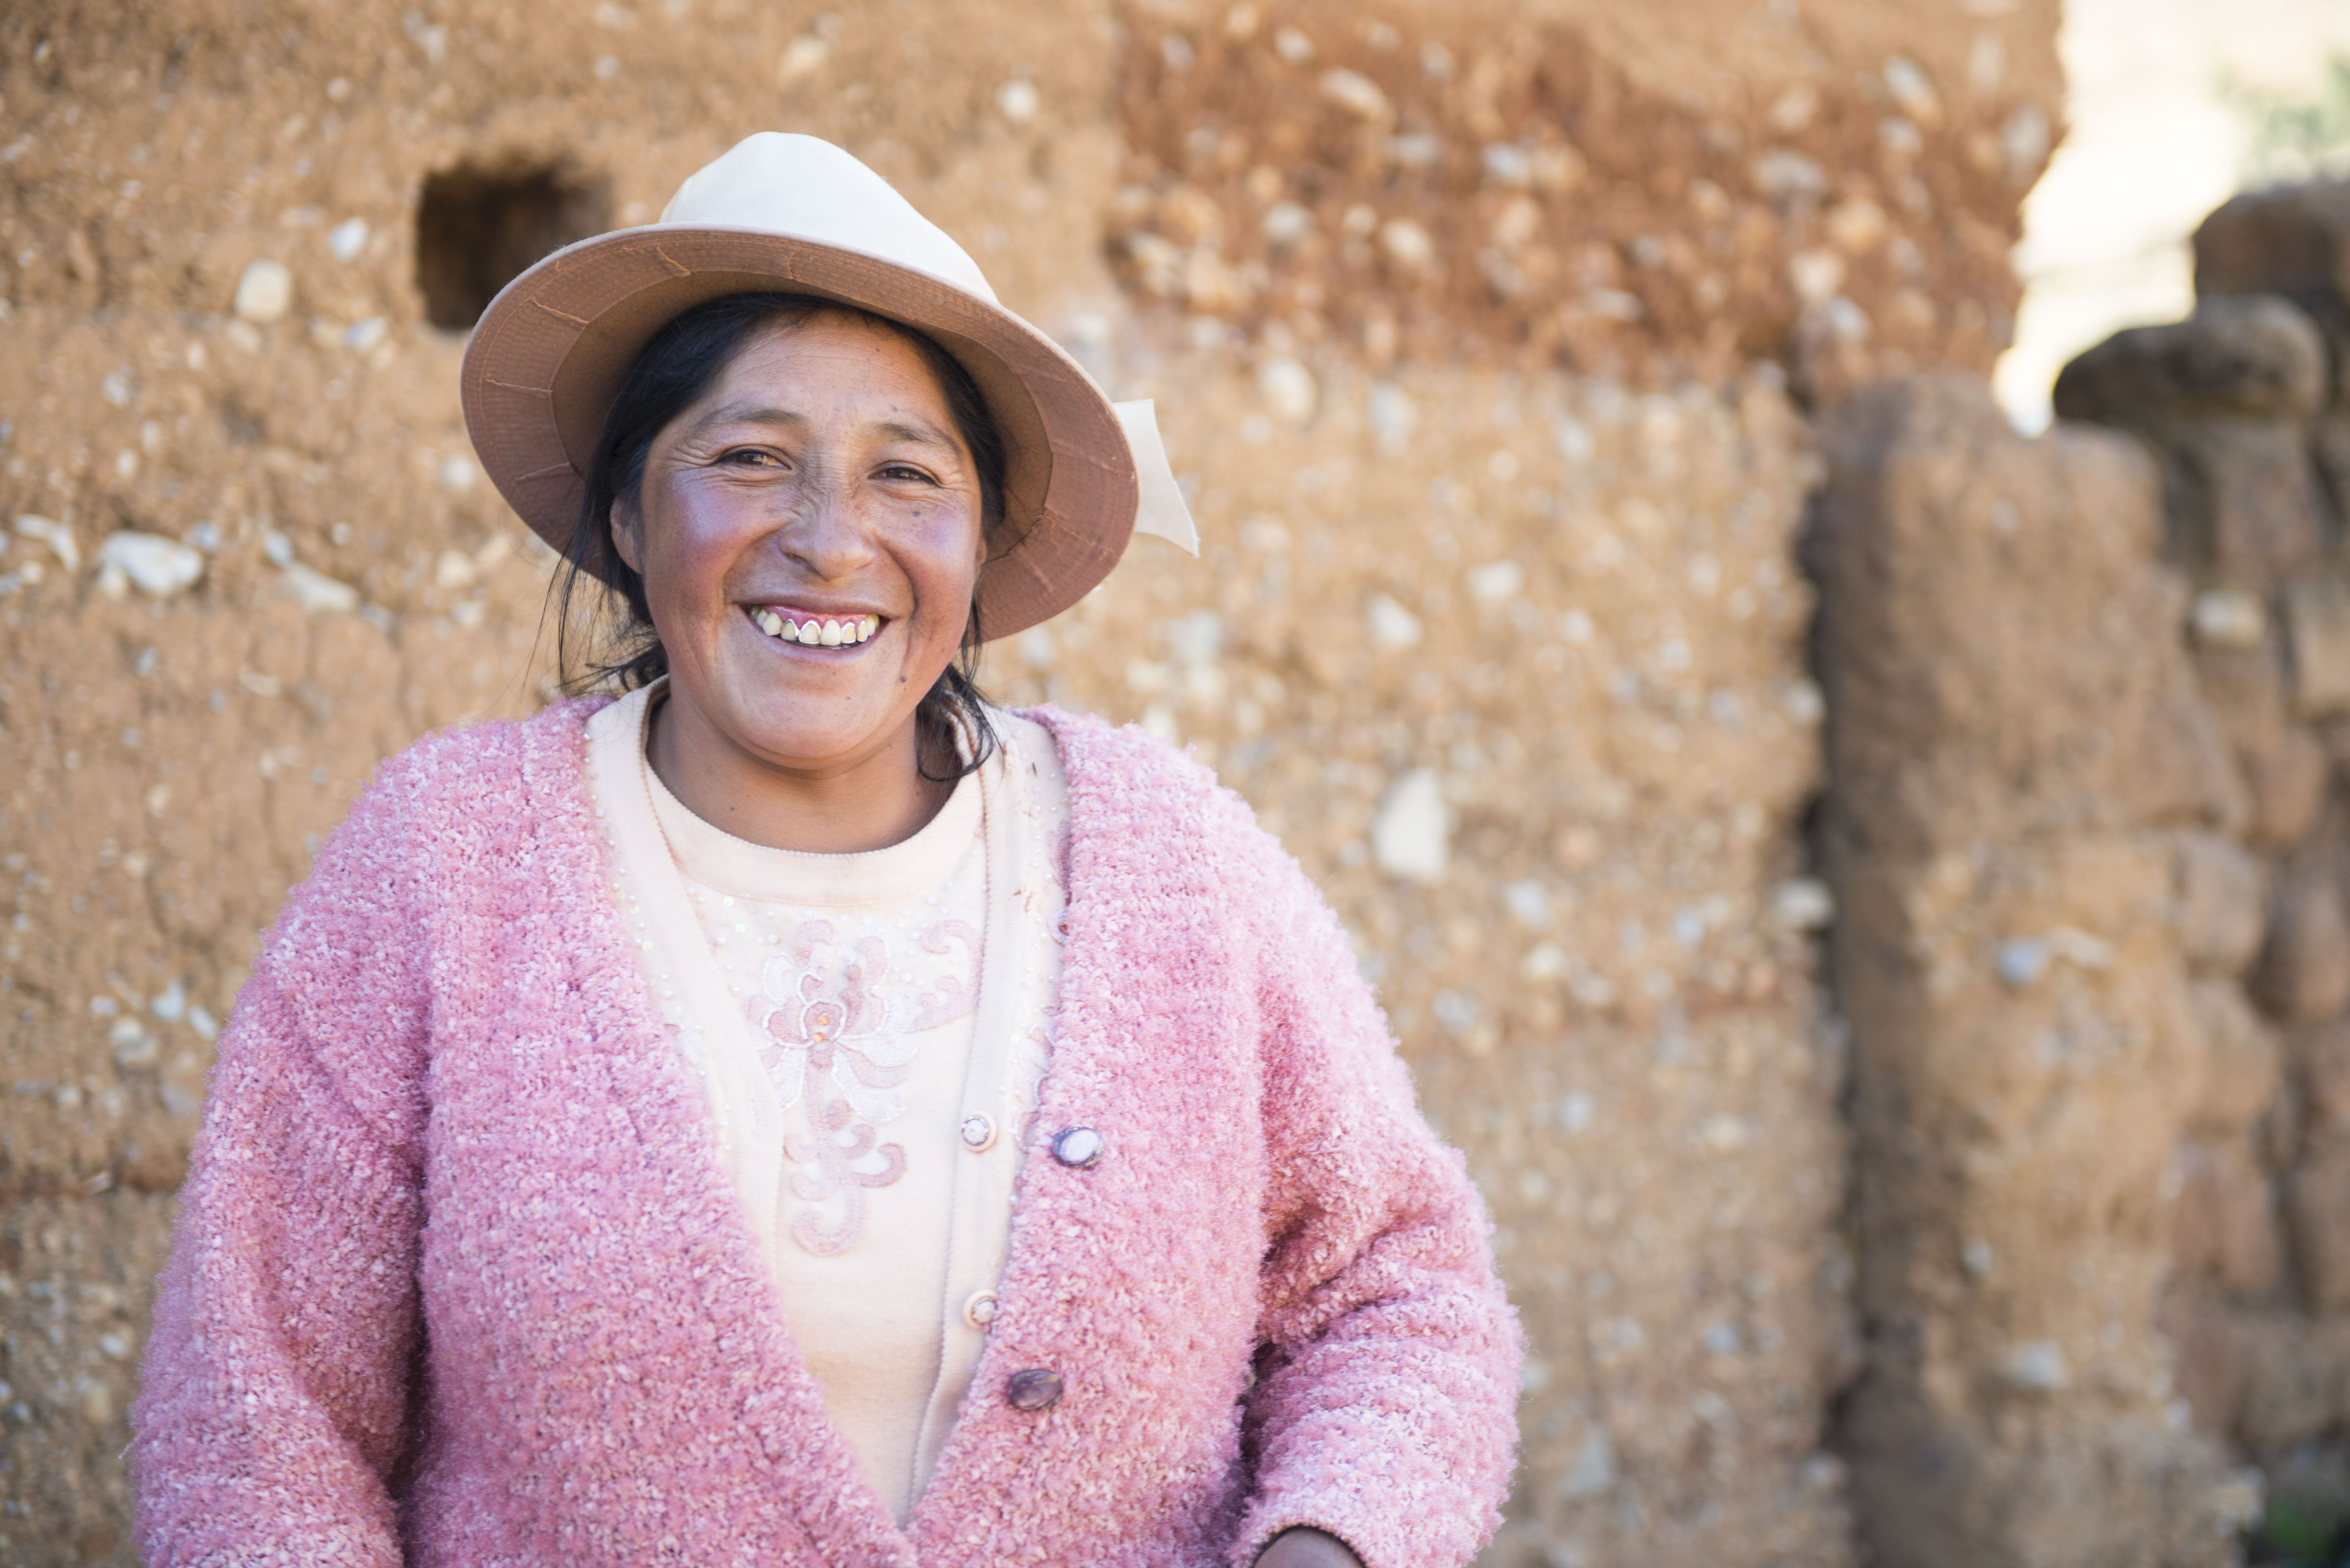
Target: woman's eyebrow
[924, 435]
[747, 413]
[917, 431]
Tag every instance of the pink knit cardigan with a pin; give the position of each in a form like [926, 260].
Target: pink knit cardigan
[458, 1280]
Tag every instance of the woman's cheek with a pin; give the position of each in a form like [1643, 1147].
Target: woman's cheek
[723, 516]
[946, 539]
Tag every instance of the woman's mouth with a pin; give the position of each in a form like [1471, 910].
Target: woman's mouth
[810, 630]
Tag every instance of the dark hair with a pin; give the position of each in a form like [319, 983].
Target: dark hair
[681, 363]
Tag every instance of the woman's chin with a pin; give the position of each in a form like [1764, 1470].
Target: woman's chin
[796, 712]
[788, 736]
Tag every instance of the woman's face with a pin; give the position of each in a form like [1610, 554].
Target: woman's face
[809, 534]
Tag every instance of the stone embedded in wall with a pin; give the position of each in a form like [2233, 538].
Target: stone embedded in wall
[2245, 691]
[1410, 836]
[2243, 1064]
[265, 292]
[2225, 399]
[2324, 1057]
[2230, 620]
[2223, 904]
[2305, 975]
[2210, 1374]
[2259, 356]
[2223, 1223]
[2242, 501]
[2294, 242]
[2318, 1198]
[2330, 442]
[157, 566]
[2183, 775]
[2285, 786]
[2317, 642]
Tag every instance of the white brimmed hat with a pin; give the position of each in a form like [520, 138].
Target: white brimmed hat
[794, 214]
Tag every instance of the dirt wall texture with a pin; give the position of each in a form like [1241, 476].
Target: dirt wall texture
[1497, 457]
[1528, 197]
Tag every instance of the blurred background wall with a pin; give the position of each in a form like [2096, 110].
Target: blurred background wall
[1817, 846]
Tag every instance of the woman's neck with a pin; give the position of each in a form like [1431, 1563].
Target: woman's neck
[867, 801]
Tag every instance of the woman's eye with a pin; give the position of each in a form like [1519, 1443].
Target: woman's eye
[753, 457]
[904, 473]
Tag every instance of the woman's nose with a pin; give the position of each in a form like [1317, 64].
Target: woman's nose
[824, 531]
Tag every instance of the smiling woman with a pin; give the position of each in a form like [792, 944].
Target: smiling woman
[776, 461]
[776, 1106]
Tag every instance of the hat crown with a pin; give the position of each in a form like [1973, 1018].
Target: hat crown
[806, 189]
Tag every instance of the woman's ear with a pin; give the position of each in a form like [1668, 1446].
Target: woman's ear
[627, 529]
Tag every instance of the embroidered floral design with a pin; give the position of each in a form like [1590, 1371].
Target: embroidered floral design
[836, 1040]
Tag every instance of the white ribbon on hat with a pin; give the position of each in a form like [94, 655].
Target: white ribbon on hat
[1161, 514]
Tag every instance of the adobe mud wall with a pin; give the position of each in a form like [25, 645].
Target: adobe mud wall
[2019, 761]
[2089, 714]
[1481, 337]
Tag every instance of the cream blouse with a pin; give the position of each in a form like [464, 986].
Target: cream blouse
[871, 1031]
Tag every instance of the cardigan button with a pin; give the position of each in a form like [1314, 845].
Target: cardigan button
[1038, 1388]
[1080, 1149]
[978, 1132]
[980, 1311]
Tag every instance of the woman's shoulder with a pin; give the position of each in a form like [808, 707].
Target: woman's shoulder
[455, 791]
[462, 797]
[1121, 764]
[1128, 783]
[476, 765]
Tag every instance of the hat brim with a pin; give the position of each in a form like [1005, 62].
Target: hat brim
[549, 354]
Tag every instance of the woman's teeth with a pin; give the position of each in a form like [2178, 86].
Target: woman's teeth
[816, 631]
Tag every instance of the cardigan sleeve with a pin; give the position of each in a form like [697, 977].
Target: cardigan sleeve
[1383, 1409]
[276, 1385]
